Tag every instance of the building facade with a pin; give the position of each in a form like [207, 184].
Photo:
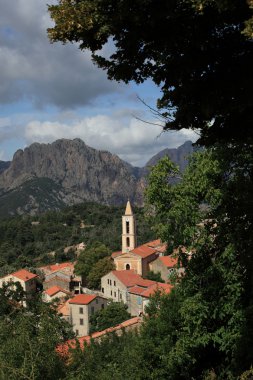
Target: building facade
[81, 307]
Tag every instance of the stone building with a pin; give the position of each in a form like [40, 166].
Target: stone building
[63, 276]
[81, 307]
[128, 230]
[26, 279]
[55, 292]
[139, 296]
[129, 287]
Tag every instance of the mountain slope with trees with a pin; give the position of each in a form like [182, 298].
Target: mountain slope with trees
[28, 241]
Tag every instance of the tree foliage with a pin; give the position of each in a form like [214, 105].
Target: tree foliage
[99, 269]
[112, 315]
[29, 336]
[89, 257]
[25, 245]
[194, 50]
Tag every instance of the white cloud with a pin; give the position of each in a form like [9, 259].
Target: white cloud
[131, 139]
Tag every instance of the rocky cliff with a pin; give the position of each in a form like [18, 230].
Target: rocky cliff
[4, 165]
[69, 172]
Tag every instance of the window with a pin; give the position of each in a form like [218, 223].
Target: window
[108, 281]
[81, 322]
[114, 283]
[127, 227]
[96, 301]
[92, 310]
[102, 306]
[103, 290]
[111, 292]
[115, 294]
[120, 296]
[127, 241]
[80, 310]
[128, 267]
[77, 332]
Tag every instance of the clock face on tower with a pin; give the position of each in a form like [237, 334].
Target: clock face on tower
[127, 219]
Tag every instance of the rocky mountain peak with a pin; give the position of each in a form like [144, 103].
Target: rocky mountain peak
[77, 173]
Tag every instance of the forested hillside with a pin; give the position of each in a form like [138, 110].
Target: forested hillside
[26, 241]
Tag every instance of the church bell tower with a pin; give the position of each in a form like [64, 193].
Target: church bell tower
[128, 229]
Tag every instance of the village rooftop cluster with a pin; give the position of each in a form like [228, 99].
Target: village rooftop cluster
[126, 284]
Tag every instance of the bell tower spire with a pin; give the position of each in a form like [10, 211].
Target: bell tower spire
[128, 229]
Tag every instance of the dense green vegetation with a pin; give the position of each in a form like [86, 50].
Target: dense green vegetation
[112, 315]
[93, 263]
[29, 336]
[25, 244]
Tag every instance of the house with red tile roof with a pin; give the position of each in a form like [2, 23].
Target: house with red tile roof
[27, 280]
[138, 259]
[81, 307]
[166, 265]
[120, 285]
[61, 275]
[55, 292]
[139, 296]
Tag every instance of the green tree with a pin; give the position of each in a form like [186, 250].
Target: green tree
[194, 50]
[112, 315]
[208, 212]
[100, 269]
[29, 337]
[154, 276]
[89, 257]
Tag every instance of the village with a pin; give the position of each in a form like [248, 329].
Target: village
[126, 284]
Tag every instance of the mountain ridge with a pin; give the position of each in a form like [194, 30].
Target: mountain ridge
[76, 172]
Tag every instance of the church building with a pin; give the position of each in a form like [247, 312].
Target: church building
[133, 257]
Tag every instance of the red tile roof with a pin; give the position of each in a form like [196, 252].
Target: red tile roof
[56, 267]
[63, 349]
[54, 290]
[82, 299]
[150, 289]
[24, 275]
[166, 288]
[128, 277]
[154, 243]
[143, 251]
[168, 261]
[137, 290]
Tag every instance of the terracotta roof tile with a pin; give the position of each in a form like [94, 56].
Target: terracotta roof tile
[63, 349]
[131, 278]
[82, 299]
[24, 275]
[166, 288]
[143, 251]
[168, 261]
[154, 243]
[127, 277]
[54, 290]
[64, 267]
[150, 289]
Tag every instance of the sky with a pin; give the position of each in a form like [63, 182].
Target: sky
[52, 91]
